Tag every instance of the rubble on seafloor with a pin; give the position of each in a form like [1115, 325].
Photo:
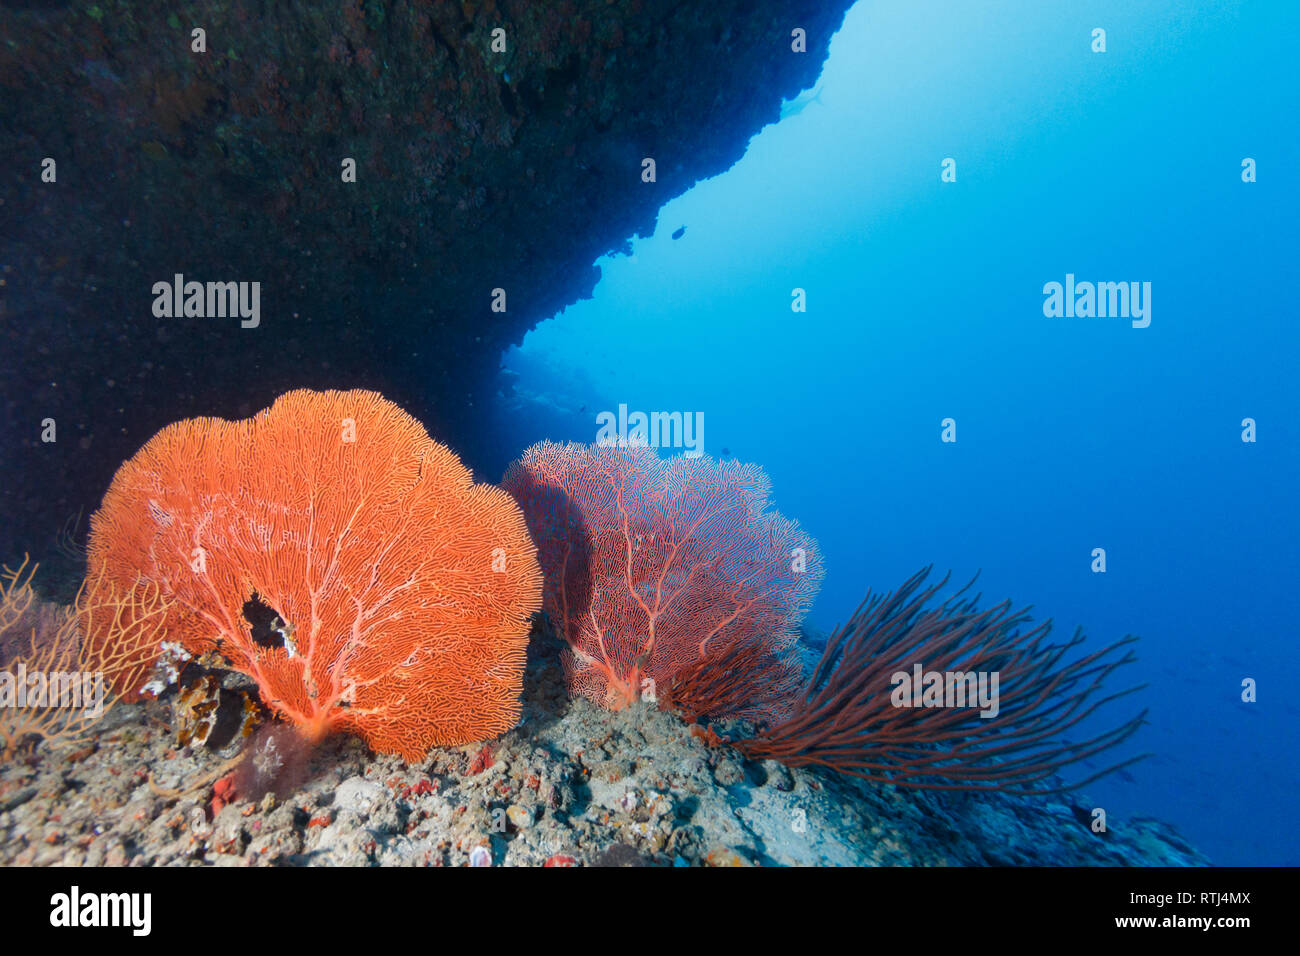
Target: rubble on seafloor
[572, 785]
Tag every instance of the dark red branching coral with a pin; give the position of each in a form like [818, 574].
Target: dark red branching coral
[746, 679]
[849, 717]
[652, 565]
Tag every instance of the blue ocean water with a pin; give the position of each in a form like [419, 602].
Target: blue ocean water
[925, 302]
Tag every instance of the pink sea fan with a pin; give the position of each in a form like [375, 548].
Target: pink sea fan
[652, 565]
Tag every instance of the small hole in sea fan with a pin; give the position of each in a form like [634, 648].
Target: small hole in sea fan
[264, 624]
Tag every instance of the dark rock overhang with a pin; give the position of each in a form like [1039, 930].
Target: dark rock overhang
[475, 170]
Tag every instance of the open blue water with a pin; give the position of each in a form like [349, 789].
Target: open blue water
[925, 302]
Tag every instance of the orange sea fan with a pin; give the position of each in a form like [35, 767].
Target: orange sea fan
[348, 563]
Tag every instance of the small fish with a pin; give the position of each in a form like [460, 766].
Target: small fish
[681, 231]
[1125, 776]
[801, 102]
[726, 453]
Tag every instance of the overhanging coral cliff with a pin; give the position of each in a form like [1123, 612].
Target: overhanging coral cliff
[475, 170]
